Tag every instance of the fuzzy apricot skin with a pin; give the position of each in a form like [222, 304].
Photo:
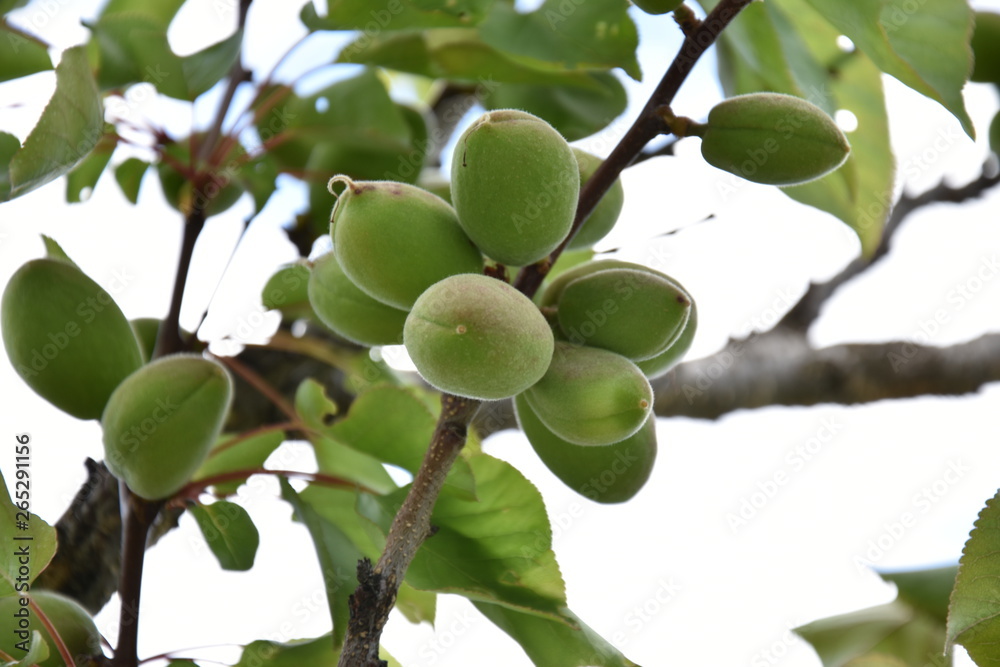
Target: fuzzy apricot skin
[478, 337]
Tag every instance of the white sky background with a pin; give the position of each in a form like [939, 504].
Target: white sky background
[665, 577]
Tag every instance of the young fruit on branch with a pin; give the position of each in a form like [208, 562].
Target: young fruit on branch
[610, 474]
[657, 6]
[553, 290]
[161, 421]
[604, 216]
[771, 138]
[66, 337]
[351, 313]
[590, 396]
[675, 351]
[394, 240]
[287, 291]
[631, 312]
[514, 182]
[476, 336]
[72, 622]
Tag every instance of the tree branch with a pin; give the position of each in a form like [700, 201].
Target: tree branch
[375, 595]
[806, 311]
[779, 368]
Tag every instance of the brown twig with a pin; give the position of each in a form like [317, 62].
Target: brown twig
[376, 593]
[807, 310]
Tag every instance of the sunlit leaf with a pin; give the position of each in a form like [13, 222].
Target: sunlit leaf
[398, 15]
[588, 35]
[927, 590]
[21, 54]
[896, 36]
[566, 643]
[231, 453]
[318, 652]
[974, 615]
[69, 128]
[22, 533]
[313, 406]
[229, 532]
[87, 173]
[497, 549]
[129, 176]
[575, 111]
[207, 67]
[9, 145]
[338, 559]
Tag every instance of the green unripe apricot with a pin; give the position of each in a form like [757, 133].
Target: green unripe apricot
[75, 627]
[514, 183]
[604, 216]
[986, 49]
[590, 396]
[657, 6]
[772, 138]
[161, 421]
[476, 336]
[634, 313]
[587, 470]
[288, 291]
[394, 240]
[66, 337]
[670, 357]
[348, 311]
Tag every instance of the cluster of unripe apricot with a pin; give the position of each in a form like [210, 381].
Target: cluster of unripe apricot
[408, 266]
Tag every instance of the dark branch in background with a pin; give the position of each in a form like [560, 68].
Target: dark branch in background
[805, 312]
[376, 592]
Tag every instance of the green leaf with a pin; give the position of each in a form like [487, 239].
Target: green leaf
[927, 590]
[161, 12]
[569, 643]
[229, 532]
[395, 15]
[896, 36]
[54, 251]
[129, 176]
[69, 128]
[895, 629]
[9, 145]
[974, 615]
[313, 406]
[575, 111]
[497, 549]
[354, 114]
[317, 652]
[393, 425]
[798, 55]
[87, 173]
[132, 48]
[455, 54]
[38, 650]
[8, 5]
[207, 67]
[237, 452]
[589, 35]
[22, 532]
[338, 559]
[21, 54]
[416, 606]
